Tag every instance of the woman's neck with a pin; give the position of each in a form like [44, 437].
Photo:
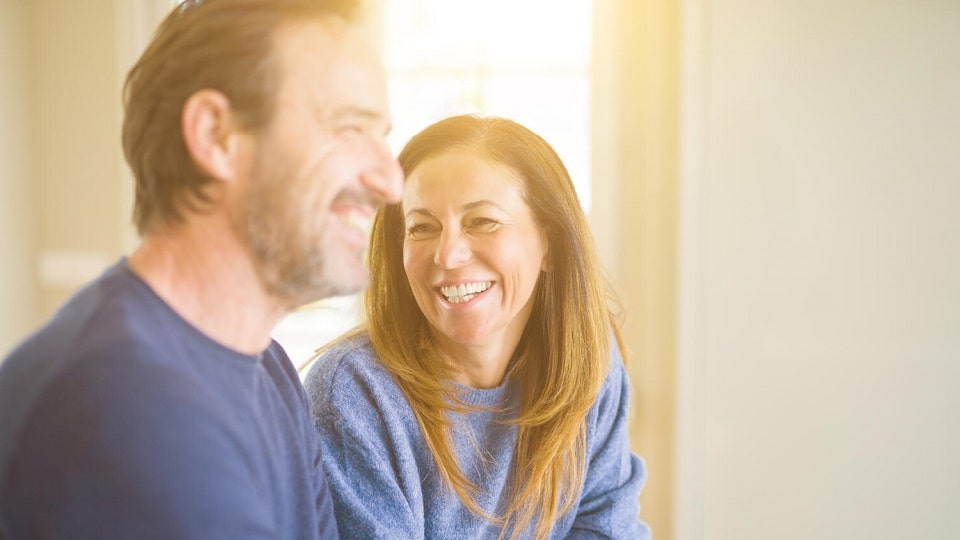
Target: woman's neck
[478, 366]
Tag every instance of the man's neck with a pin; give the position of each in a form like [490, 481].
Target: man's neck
[205, 275]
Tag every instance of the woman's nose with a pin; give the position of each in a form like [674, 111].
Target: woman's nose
[453, 250]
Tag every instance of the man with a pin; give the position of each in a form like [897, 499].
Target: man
[155, 404]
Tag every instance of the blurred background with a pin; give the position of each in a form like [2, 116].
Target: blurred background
[774, 188]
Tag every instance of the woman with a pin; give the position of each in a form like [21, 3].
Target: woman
[485, 396]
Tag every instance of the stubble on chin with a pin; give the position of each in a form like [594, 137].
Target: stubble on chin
[268, 230]
[298, 267]
[290, 269]
[297, 259]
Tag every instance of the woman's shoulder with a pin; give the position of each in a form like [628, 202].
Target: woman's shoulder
[344, 359]
[616, 384]
[616, 369]
[348, 367]
[350, 390]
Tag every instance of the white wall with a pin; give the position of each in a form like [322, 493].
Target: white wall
[17, 292]
[820, 287]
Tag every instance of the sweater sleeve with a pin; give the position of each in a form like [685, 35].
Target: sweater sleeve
[609, 505]
[369, 466]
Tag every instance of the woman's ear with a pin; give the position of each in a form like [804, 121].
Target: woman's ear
[209, 132]
[545, 264]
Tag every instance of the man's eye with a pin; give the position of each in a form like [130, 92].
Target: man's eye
[350, 129]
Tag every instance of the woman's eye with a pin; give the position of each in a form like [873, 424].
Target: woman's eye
[419, 229]
[482, 224]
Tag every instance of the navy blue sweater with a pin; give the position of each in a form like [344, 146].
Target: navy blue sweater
[120, 420]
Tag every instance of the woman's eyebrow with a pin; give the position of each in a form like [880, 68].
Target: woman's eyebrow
[419, 211]
[465, 208]
[482, 202]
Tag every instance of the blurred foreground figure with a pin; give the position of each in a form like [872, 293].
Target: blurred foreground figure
[155, 404]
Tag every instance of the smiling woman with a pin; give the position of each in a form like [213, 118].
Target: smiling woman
[470, 404]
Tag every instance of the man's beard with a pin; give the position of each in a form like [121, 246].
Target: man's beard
[289, 258]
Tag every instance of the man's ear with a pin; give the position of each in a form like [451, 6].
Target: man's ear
[209, 132]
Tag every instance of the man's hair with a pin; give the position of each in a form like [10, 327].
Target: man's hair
[224, 45]
[563, 355]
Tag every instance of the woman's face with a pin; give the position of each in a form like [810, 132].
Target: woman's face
[472, 251]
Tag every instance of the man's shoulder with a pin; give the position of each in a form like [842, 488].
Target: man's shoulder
[111, 315]
[109, 308]
[42, 357]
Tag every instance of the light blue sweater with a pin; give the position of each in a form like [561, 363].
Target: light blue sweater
[384, 480]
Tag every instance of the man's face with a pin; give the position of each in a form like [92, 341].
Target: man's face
[321, 168]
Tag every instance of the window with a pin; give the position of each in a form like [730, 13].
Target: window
[528, 60]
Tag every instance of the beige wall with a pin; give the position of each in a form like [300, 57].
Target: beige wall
[635, 149]
[76, 145]
[17, 216]
[64, 196]
[820, 299]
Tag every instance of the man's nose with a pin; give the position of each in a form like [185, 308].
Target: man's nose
[385, 177]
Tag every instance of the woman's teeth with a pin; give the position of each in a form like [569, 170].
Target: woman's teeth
[456, 294]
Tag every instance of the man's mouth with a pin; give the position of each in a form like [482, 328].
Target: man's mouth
[457, 294]
[356, 218]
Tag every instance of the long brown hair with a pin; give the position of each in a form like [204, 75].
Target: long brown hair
[223, 45]
[563, 356]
